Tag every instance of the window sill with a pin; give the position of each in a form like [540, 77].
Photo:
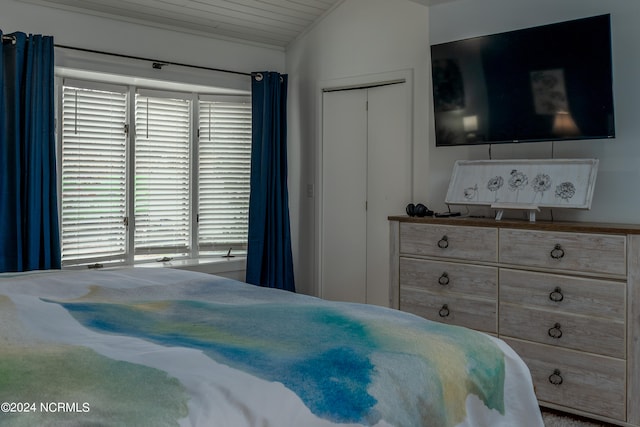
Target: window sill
[229, 267]
[232, 268]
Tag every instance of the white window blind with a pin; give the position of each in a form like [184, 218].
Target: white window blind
[224, 173]
[162, 175]
[93, 175]
[152, 189]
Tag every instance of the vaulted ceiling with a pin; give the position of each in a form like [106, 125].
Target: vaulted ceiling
[266, 22]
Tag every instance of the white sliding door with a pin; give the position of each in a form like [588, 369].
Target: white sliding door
[366, 176]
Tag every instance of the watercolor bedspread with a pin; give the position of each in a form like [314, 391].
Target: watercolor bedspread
[164, 347]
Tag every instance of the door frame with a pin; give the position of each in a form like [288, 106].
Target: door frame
[351, 83]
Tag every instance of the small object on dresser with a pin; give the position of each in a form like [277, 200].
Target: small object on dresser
[419, 210]
[411, 209]
[446, 214]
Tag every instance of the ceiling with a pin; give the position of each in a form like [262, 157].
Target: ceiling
[273, 23]
[266, 22]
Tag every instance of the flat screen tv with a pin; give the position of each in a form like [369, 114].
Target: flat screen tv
[547, 83]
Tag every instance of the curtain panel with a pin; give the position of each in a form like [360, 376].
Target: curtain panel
[29, 235]
[269, 257]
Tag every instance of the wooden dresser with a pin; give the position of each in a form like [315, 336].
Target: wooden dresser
[565, 296]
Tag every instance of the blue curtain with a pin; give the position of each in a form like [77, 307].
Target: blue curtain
[29, 236]
[269, 258]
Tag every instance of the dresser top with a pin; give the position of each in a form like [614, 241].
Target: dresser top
[568, 226]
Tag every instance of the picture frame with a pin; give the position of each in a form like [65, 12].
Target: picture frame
[523, 184]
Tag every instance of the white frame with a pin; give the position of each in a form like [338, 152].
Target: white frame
[523, 184]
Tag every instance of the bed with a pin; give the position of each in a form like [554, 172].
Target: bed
[165, 347]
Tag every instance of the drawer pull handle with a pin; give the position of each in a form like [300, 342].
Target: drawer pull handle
[555, 332]
[556, 295]
[444, 311]
[443, 243]
[557, 252]
[556, 378]
[444, 279]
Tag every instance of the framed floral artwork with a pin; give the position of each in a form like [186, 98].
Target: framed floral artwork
[523, 184]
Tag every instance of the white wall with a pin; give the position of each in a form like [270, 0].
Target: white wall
[97, 33]
[617, 191]
[357, 41]
[365, 37]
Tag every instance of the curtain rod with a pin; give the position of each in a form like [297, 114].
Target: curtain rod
[154, 63]
[11, 39]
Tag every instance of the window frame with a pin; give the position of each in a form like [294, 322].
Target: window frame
[141, 254]
[222, 99]
[194, 98]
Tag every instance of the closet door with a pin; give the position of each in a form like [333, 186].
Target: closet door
[389, 178]
[344, 196]
[366, 170]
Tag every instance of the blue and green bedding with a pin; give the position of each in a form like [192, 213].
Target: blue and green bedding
[167, 347]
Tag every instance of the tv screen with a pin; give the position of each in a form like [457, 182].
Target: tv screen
[547, 83]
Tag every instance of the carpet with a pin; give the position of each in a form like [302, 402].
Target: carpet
[560, 419]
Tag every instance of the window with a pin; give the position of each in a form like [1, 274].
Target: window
[224, 174]
[162, 175]
[93, 189]
[174, 184]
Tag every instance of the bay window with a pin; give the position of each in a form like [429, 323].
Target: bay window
[149, 175]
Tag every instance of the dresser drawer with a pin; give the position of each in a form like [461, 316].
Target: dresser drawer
[595, 335]
[576, 295]
[580, 252]
[476, 313]
[592, 383]
[468, 243]
[444, 277]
